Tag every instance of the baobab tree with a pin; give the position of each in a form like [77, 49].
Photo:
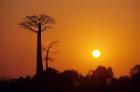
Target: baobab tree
[49, 52]
[38, 24]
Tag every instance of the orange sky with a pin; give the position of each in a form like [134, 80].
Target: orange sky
[113, 26]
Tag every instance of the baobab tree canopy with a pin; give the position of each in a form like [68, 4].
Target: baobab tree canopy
[32, 22]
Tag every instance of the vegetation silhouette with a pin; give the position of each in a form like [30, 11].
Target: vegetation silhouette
[38, 24]
[49, 53]
[99, 80]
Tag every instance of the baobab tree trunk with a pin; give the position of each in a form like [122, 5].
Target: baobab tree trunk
[39, 52]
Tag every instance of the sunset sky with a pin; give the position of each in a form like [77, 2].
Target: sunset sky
[112, 26]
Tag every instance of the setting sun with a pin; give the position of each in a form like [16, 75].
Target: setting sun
[96, 53]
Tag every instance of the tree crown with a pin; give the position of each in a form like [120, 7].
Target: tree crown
[32, 22]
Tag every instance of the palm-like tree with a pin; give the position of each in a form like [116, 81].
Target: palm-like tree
[38, 24]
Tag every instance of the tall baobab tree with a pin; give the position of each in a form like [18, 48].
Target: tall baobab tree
[49, 52]
[38, 24]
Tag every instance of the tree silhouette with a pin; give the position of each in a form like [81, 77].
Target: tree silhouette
[71, 81]
[71, 75]
[135, 77]
[102, 72]
[49, 53]
[38, 24]
[135, 72]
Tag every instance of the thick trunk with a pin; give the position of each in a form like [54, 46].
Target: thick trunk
[39, 52]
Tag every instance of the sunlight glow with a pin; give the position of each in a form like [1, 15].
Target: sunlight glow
[96, 53]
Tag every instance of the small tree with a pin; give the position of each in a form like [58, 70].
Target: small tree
[49, 52]
[38, 24]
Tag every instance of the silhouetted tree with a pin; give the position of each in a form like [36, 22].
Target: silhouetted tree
[135, 78]
[49, 52]
[102, 72]
[38, 24]
[135, 71]
[97, 80]
[69, 78]
[71, 75]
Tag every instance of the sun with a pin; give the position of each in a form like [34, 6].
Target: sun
[96, 53]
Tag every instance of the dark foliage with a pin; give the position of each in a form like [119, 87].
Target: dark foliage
[99, 80]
